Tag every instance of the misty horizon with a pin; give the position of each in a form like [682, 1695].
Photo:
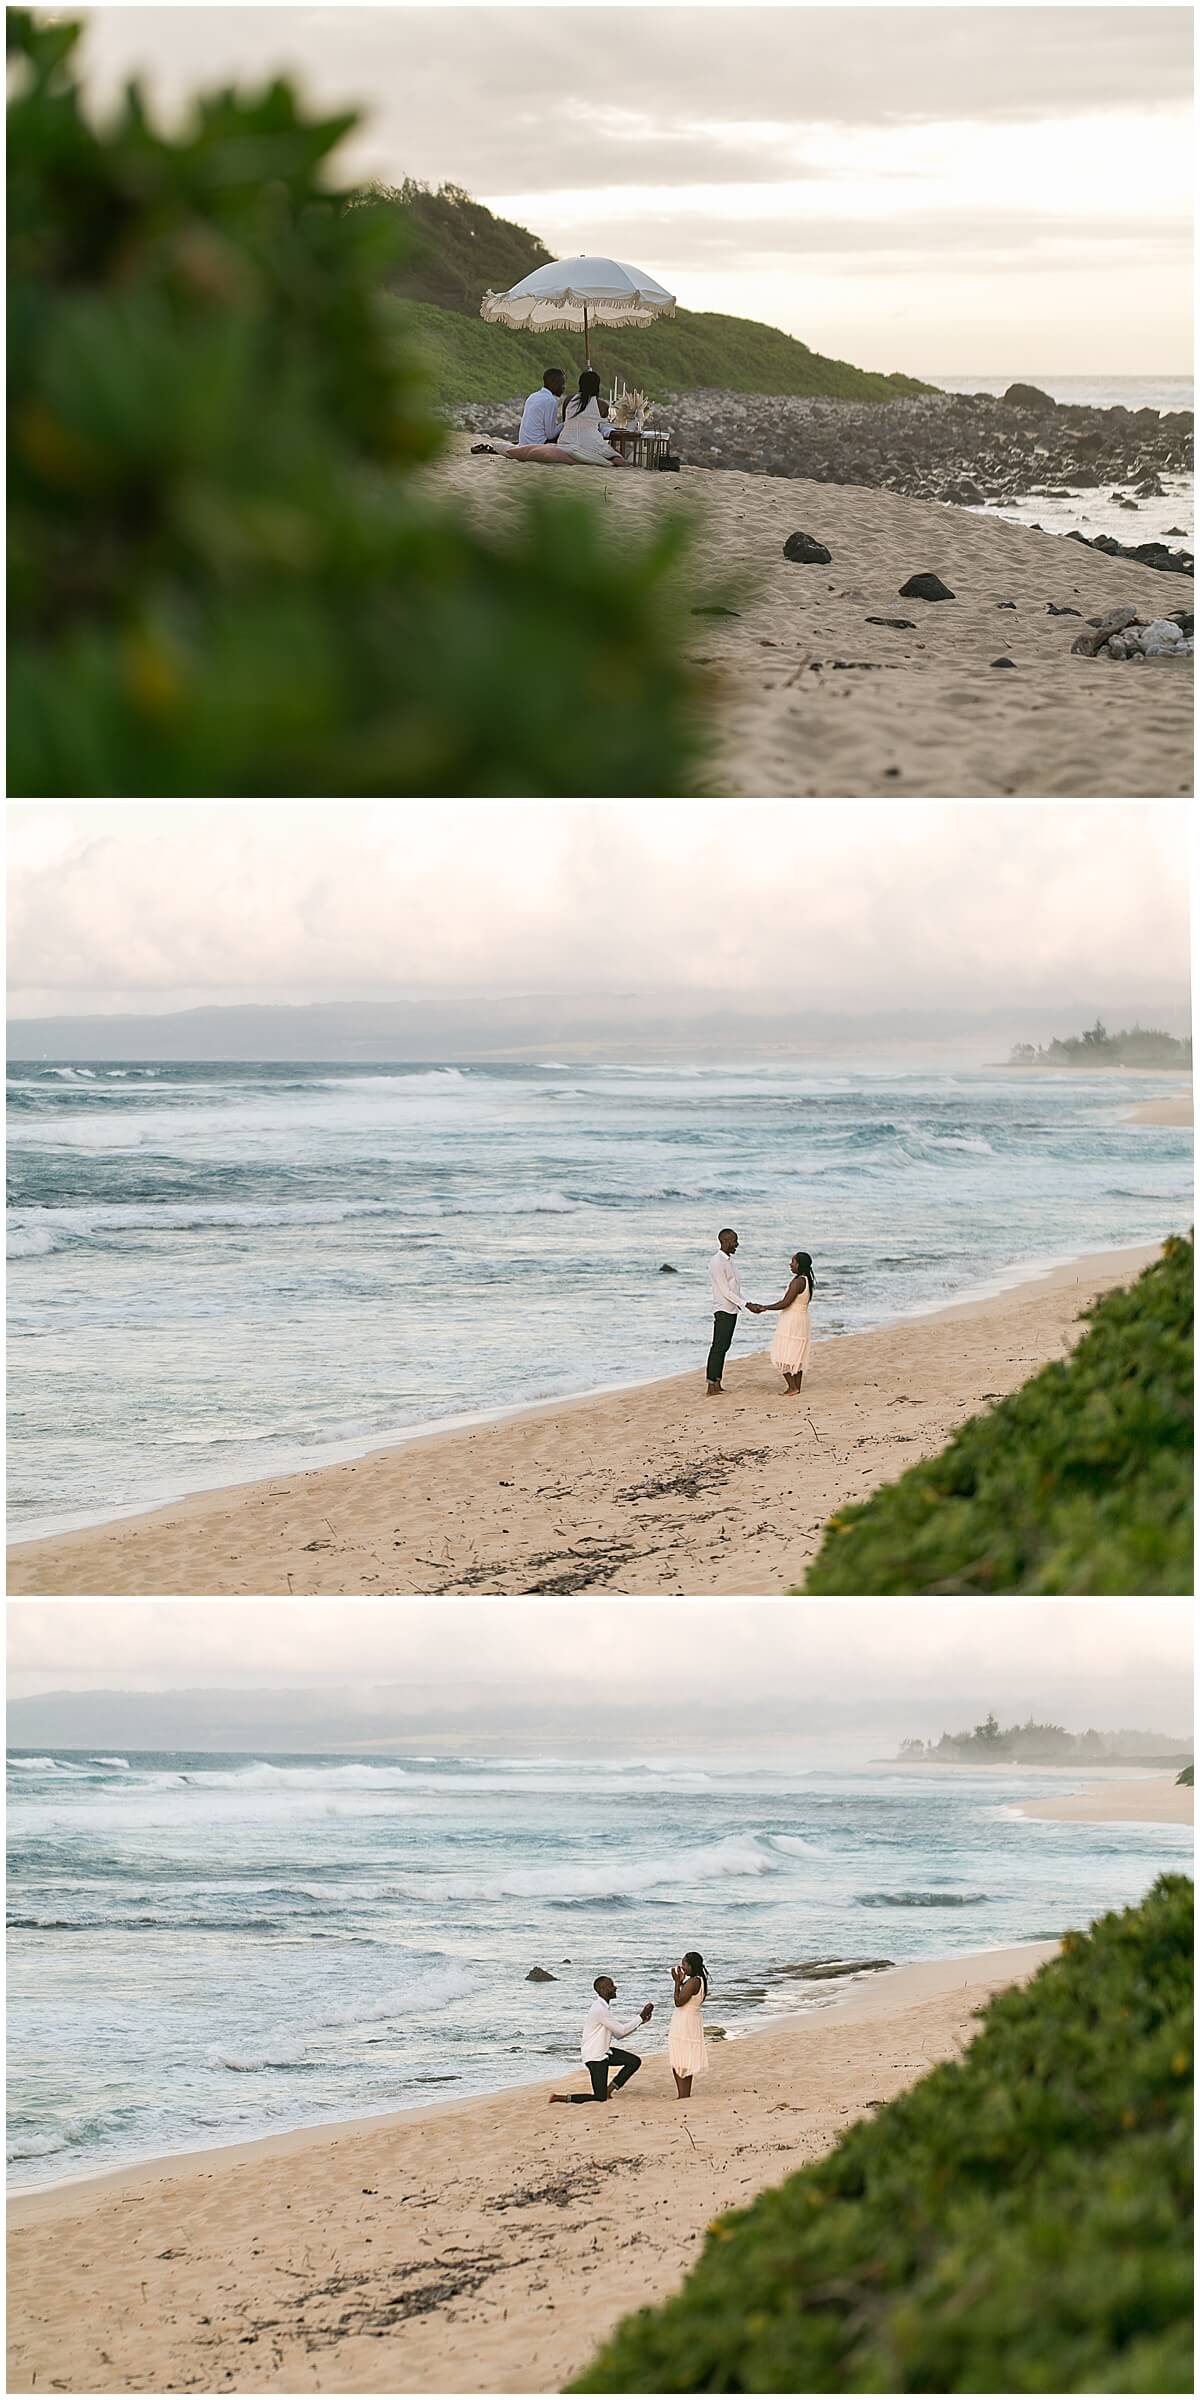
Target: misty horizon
[273, 1721]
[498, 1027]
[206, 1674]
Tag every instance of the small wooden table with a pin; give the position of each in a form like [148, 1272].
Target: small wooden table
[641, 447]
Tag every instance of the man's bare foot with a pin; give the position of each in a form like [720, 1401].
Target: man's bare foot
[559, 2100]
[716, 1391]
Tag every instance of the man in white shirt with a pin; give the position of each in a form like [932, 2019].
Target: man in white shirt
[597, 2048]
[540, 418]
[728, 1301]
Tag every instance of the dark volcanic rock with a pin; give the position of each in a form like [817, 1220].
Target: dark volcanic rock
[925, 587]
[1027, 396]
[668, 1270]
[1146, 554]
[898, 624]
[929, 446]
[540, 1975]
[1006, 604]
[1052, 611]
[1004, 662]
[803, 551]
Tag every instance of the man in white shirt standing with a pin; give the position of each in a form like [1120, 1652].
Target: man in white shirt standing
[540, 417]
[728, 1301]
[597, 2049]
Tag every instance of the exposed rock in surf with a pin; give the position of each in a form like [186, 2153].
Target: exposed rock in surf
[1142, 554]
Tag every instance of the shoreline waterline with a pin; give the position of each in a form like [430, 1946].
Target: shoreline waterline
[1023, 1274]
[865, 1997]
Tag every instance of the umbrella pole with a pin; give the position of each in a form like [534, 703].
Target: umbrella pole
[587, 348]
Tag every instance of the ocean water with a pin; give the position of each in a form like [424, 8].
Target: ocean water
[216, 1272]
[1094, 512]
[1166, 393]
[202, 1949]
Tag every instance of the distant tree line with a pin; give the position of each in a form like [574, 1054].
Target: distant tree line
[1030, 1741]
[1134, 1046]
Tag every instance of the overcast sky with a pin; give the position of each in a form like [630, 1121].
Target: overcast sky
[956, 190]
[892, 1666]
[856, 906]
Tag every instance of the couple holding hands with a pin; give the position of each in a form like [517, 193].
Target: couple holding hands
[793, 1339]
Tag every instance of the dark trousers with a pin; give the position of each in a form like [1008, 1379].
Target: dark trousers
[628, 2062]
[724, 1328]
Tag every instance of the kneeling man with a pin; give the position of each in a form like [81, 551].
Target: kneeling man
[597, 2048]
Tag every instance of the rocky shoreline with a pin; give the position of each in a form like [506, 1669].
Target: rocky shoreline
[966, 448]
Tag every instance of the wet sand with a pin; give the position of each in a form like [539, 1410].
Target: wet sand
[485, 2246]
[817, 701]
[651, 1490]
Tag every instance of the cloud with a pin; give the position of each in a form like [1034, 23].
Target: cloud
[935, 906]
[1103, 1662]
[674, 126]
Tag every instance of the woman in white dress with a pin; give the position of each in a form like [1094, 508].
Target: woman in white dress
[685, 2041]
[793, 1337]
[582, 434]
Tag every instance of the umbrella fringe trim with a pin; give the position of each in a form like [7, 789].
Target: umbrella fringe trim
[600, 312]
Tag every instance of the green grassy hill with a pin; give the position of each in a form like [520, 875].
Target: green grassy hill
[458, 250]
[1018, 2222]
[1081, 1481]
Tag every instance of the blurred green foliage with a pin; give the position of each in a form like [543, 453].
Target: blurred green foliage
[1020, 2221]
[1187, 1775]
[1081, 1481]
[223, 579]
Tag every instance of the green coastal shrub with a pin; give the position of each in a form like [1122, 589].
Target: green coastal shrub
[1081, 1481]
[1187, 1775]
[223, 577]
[458, 250]
[1018, 2222]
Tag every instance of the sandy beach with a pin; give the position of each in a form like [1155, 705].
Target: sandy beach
[819, 701]
[505, 2238]
[1162, 1112]
[1153, 1801]
[649, 1490]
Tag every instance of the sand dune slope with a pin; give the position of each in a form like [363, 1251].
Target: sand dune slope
[818, 702]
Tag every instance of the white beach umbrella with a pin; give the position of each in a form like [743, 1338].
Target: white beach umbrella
[573, 294]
